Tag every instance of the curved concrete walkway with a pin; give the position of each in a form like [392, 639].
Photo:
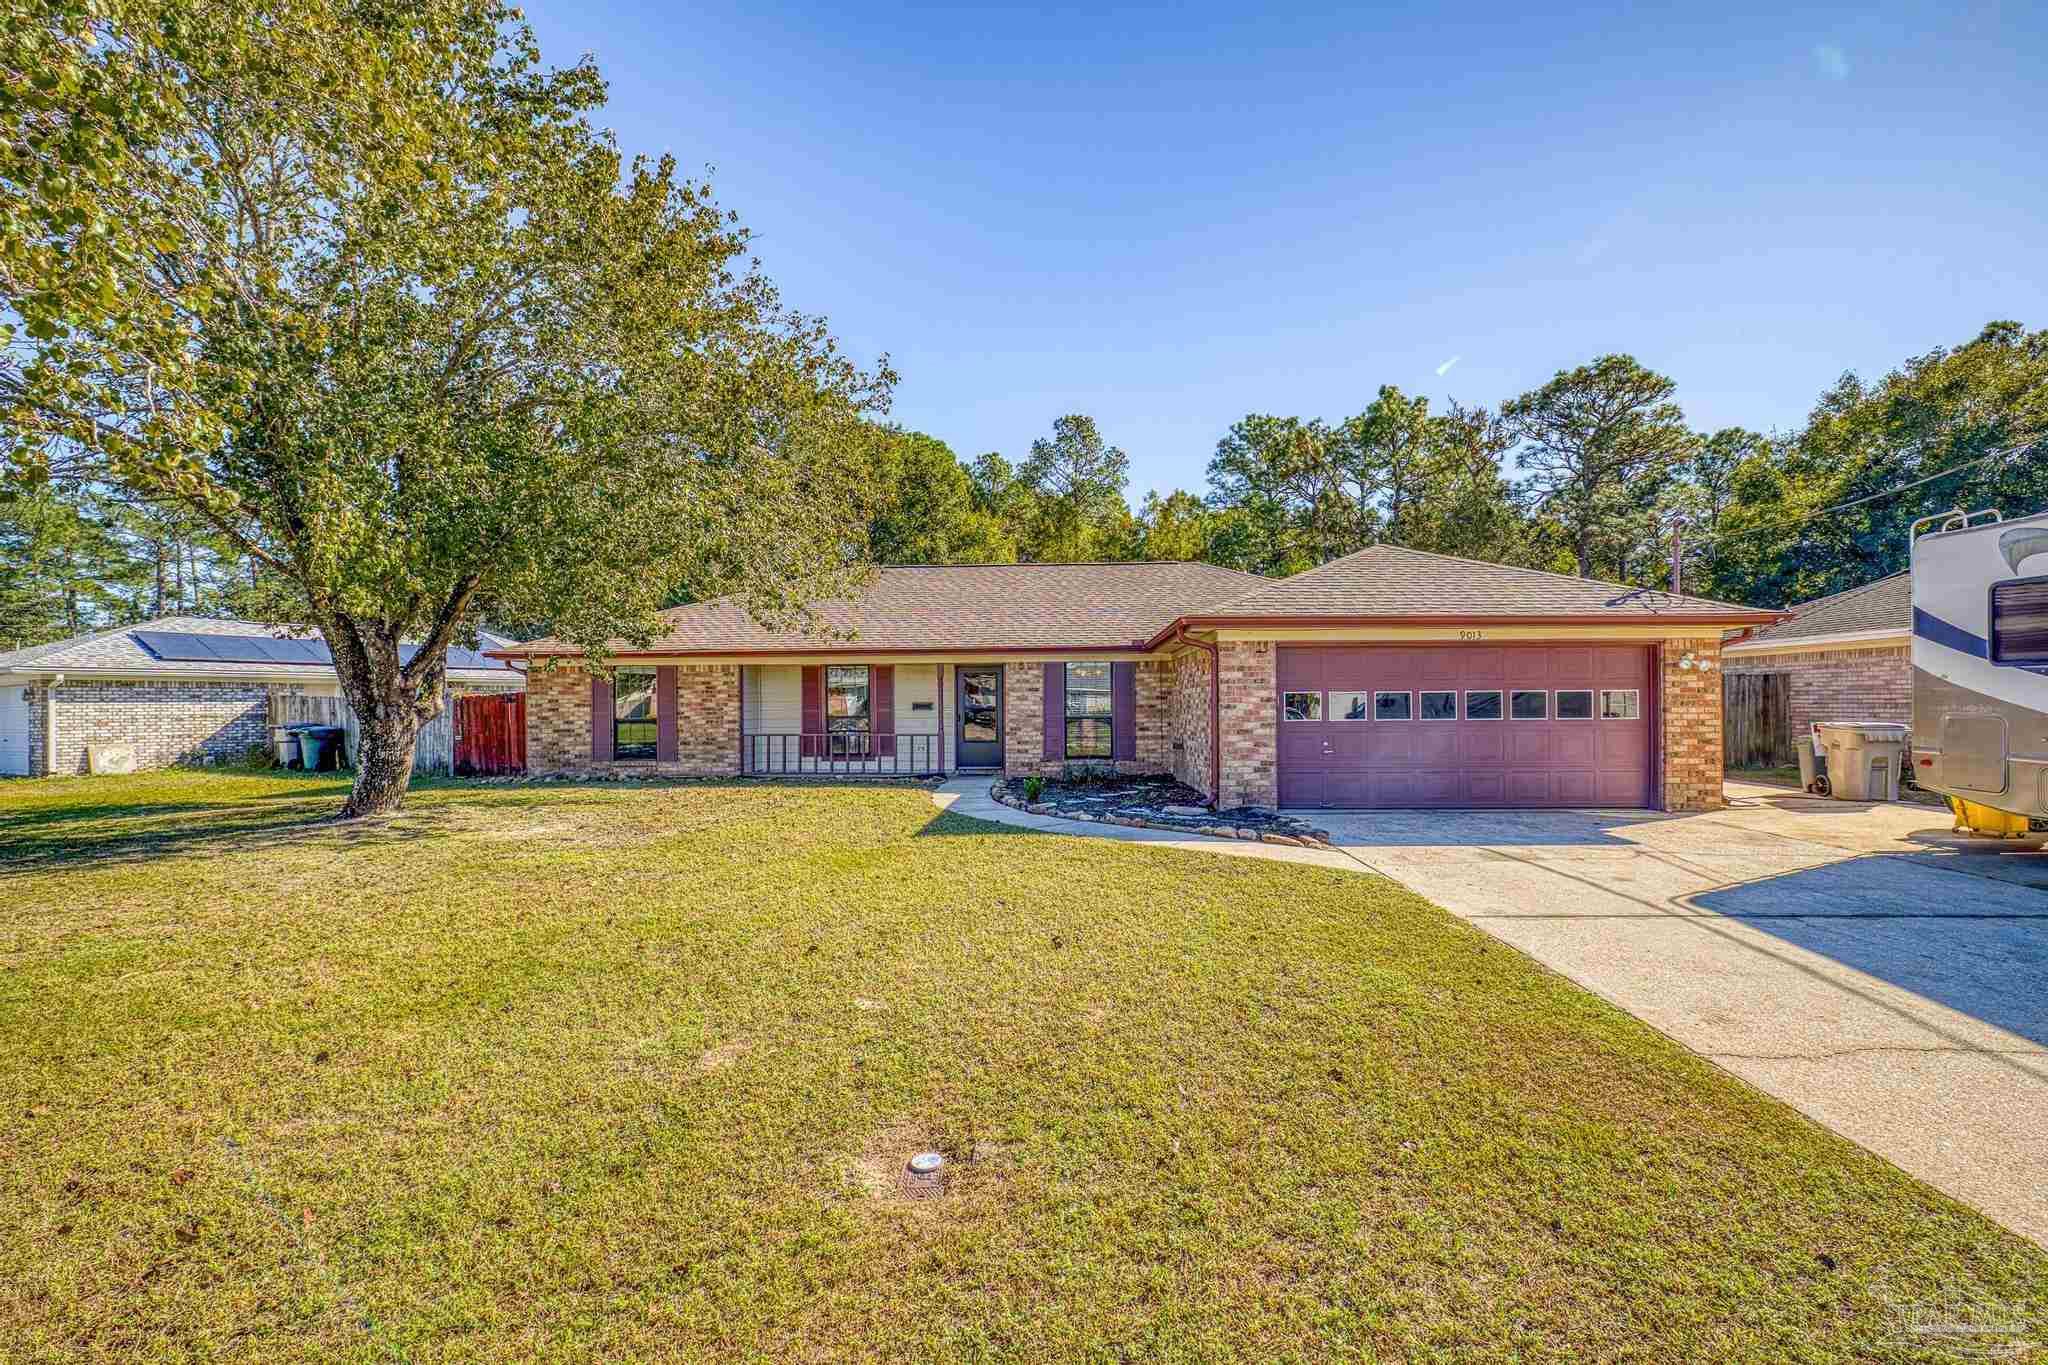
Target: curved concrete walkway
[1852, 959]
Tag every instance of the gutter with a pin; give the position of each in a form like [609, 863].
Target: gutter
[1448, 620]
[1764, 644]
[1215, 714]
[914, 653]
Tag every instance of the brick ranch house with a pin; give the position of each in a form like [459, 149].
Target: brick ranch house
[179, 689]
[1846, 657]
[1389, 678]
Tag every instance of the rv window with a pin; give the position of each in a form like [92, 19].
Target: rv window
[2019, 622]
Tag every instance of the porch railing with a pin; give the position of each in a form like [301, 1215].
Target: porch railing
[842, 753]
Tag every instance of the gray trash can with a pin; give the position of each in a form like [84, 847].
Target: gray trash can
[1863, 759]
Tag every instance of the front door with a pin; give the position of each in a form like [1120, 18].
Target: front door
[979, 705]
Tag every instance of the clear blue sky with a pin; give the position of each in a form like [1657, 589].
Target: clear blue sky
[1169, 217]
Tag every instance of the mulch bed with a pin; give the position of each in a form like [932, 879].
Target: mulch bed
[1157, 803]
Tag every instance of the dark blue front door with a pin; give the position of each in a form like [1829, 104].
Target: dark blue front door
[979, 706]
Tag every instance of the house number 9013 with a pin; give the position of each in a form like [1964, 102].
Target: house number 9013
[1471, 635]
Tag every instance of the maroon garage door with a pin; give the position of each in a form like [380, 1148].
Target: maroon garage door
[1396, 726]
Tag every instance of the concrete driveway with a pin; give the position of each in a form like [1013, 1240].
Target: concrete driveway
[1855, 960]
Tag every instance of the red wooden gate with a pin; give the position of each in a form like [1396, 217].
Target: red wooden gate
[490, 734]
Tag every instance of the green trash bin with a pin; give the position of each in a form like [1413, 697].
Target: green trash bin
[312, 746]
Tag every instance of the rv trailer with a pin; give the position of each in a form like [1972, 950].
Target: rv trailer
[1980, 659]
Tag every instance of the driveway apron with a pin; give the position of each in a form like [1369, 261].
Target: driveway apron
[1855, 960]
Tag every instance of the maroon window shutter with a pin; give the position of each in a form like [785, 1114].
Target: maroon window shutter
[1056, 711]
[665, 713]
[1123, 710]
[882, 681]
[813, 712]
[600, 719]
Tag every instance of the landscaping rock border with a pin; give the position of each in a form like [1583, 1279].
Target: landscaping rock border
[1248, 823]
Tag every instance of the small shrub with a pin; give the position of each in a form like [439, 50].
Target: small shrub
[259, 756]
[1034, 787]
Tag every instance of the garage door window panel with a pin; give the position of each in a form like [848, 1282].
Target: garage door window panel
[1529, 704]
[1483, 704]
[1301, 706]
[1621, 703]
[1350, 705]
[1439, 706]
[1575, 703]
[1393, 706]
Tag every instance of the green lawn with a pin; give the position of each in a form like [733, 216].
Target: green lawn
[626, 1071]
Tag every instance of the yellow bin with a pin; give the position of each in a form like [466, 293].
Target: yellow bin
[1972, 818]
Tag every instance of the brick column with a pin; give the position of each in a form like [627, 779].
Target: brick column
[1023, 719]
[1246, 707]
[1188, 719]
[1689, 717]
[1155, 701]
[707, 720]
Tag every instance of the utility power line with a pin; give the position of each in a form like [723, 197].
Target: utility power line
[1708, 542]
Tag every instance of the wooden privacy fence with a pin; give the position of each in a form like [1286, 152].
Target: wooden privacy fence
[435, 752]
[1756, 720]
[490, 734]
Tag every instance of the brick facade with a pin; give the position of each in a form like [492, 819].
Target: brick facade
[1246, 706]
[37, 697]
[1154, 752]
[1024, 723]
[707, 702]
[707, 708]
[1862, 683]
[1689, 722]
[1023, 719]
[557, 720]
[1173, 722]
[167, 722]
[1188, 719]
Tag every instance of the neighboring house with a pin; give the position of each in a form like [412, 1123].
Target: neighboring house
[1846, 657]
[178, 688]
[1389, 678]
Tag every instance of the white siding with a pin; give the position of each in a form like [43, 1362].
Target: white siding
[16, 716]
[772, 699]
[947, 729]
[915, 683]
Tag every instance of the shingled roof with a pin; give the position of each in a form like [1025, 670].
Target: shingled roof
[1392, 583]
[116, 652]
[953, 607]
[996, 608]
[1885, 606]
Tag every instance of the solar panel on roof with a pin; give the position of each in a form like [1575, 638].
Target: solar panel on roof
[177, 646]
[301, 652]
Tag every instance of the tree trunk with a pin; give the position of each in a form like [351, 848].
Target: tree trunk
[388, 720]
[392, 699]
[384, 763]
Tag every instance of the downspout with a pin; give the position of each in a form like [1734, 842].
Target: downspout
[1181, 636]
[50, 724]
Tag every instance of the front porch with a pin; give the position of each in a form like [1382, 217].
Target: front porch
[874, 719]
[841, 754]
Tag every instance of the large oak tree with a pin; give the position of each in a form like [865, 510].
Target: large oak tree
[359, 283]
